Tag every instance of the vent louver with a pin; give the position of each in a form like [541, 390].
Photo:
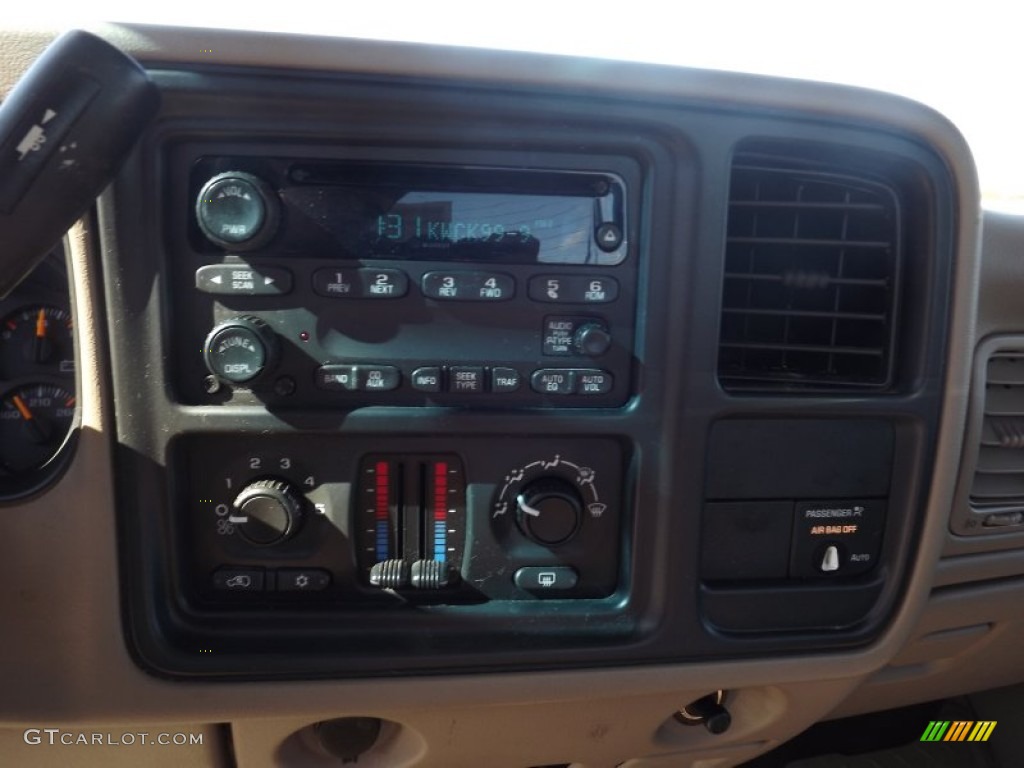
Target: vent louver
[812, 272]
[999, 473]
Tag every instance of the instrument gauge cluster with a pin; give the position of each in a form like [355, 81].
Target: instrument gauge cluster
[37, 380]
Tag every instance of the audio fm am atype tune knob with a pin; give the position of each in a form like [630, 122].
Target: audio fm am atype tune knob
[240, 349]
[267, 512]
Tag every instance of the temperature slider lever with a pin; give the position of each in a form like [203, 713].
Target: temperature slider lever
[65, 129]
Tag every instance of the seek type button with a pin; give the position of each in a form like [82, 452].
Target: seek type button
[466, 379]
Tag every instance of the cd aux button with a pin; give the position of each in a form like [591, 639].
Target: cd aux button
[377, 378]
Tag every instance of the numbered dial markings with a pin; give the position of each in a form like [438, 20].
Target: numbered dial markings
[35, 340]
[34, 422]
[259, 471]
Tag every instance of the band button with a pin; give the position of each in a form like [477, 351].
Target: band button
[336, 377]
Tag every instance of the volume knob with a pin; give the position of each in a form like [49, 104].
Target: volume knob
[237, 211]
[267, 512]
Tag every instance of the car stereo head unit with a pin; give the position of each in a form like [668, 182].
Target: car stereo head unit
[433, 213]
[338, 282]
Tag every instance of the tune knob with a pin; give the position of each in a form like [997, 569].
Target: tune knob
[549, 511]
[237, 211]
[592, 339]
[267, 512]
[240, 349]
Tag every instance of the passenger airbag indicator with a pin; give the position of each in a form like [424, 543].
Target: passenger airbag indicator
[836, 538]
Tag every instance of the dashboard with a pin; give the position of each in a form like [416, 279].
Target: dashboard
[455, 396]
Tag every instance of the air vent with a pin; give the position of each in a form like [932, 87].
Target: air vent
[999, 473]
[812, 271]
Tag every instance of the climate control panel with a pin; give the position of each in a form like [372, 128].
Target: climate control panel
[391, 521]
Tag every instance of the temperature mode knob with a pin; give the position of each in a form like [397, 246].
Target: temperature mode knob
[237, 211]
[549, 511]
[267, 512]
[240, 349]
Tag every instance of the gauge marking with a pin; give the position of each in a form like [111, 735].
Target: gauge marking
[35, 420]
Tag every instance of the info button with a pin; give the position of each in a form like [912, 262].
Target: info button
[427, 379]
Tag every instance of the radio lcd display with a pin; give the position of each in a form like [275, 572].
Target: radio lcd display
[344, 210]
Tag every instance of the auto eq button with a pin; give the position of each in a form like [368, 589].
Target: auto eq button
[554, 381]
